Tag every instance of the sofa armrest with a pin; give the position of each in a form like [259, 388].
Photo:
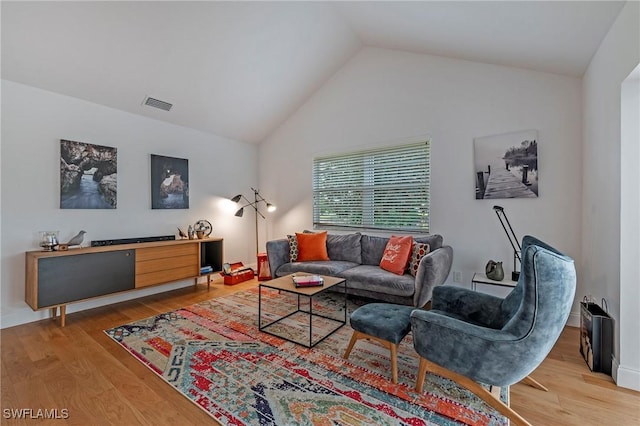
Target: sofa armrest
[433, 271]
[278, 254]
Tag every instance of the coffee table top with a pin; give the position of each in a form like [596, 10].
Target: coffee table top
[286, 283]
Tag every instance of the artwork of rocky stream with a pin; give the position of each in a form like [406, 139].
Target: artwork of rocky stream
[88, 176]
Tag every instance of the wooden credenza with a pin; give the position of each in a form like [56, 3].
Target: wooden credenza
[57, 278]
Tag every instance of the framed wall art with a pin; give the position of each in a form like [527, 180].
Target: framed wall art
[169, 182]
[506, 165]
[88, 176]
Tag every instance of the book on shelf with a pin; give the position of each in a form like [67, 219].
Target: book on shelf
[307, 280]
[206, 269]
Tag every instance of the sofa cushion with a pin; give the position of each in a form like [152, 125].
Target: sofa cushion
[345, 247]
[373, 278]
[372, 249]
[329, 267]
[312, 246]
[434, 241]
[419, 251]
[396, 254]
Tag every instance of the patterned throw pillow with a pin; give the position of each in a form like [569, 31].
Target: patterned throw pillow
[293, 247]
[396, 254]
[419, 251]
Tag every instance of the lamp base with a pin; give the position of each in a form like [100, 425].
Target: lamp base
[515, 275]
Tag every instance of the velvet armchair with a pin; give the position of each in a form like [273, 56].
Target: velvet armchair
[475, 338]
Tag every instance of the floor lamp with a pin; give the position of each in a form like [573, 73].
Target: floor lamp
[515, 244]
[255, 204]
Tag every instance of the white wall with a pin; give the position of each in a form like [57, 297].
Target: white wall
[384, 96]
[34, 121]
[629, 370]
[617, 56]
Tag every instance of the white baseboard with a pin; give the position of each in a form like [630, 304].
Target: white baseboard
[574, 319]
[26, 315]
[23, 317]
[625, 377]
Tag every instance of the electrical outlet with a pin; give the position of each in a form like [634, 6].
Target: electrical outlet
[457, 276]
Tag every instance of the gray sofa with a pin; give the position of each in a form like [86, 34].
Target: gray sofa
[356, 257]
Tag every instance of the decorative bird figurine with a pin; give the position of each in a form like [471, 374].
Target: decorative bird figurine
[77, 240]
[182, 234]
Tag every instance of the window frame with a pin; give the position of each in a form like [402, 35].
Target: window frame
[392, 204]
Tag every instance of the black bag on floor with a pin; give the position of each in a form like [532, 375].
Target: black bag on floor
[596, 336]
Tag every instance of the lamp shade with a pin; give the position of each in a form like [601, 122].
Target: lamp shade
[240, 212]
[236, 199]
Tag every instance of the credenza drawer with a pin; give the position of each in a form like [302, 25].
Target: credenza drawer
[156, 265]
[165, 276]
[166, 252]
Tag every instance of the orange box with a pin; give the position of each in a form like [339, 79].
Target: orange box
[237, 275]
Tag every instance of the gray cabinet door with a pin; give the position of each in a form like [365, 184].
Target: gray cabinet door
[70, 278]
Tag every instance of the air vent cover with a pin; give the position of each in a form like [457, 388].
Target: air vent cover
[157, 103]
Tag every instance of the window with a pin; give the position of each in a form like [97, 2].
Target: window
[385, 189]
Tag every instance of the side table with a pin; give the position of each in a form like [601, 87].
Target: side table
[479, 278]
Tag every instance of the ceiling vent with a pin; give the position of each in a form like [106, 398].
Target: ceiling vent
[157, 103]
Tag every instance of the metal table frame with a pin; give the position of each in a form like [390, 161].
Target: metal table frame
[298, 309]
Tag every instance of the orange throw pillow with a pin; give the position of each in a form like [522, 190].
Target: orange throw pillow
[396, 254]
[312, 246]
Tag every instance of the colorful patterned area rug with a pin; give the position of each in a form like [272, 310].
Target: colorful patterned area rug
[213, 353]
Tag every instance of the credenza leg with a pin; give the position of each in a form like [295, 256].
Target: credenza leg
[208, 281]
[54, 313]
[63, 312]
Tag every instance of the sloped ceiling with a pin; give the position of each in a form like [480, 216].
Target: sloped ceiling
[239, 69]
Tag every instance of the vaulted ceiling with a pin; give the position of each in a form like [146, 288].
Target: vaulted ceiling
[239, 69]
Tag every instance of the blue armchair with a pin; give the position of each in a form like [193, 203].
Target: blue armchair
[474, 338]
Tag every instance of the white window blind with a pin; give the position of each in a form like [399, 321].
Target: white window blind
[386, 189]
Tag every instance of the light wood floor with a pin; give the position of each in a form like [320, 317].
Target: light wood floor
[80, 369]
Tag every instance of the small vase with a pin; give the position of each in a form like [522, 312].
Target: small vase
[494, 271]
[49, 240]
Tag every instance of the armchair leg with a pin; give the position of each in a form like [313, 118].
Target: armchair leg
[422, 370]
[471, 385]
[534, 383]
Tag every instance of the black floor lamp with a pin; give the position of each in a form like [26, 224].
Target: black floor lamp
[515, 274]
[257, 199]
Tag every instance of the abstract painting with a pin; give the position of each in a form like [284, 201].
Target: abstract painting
[88, 176]
[169, 182]
[506, 165]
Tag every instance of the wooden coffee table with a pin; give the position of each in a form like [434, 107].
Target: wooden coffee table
[285, 284]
